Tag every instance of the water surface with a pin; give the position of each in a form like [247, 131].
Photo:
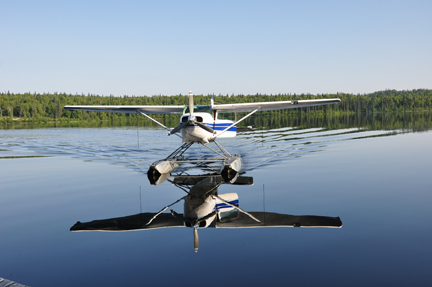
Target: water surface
[375, 178]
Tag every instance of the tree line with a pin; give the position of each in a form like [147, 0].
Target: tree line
[48, 107]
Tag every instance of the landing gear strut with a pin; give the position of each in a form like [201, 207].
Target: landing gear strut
[231, 164]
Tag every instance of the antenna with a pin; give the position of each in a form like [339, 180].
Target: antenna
[137, 130]
[264, 201]
[262, 130]
[140, 201]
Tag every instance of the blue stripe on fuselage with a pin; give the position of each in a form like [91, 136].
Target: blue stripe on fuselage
[221, 127]
[224, 205]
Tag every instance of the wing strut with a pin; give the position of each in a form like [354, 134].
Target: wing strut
[248, 115]
[150, 118]
[163, 209]
[236, 207]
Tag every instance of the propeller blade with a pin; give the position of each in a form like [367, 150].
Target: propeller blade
[196, 239]
[179, 127]
[203, 126]
[191, 103]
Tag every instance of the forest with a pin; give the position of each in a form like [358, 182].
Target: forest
[48, 107]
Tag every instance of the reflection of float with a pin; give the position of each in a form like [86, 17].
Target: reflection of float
[204, 207]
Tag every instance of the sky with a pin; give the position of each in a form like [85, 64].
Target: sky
[139, 48]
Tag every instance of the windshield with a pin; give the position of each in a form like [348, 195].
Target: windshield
[198, 109]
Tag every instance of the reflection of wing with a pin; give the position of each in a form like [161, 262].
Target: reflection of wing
[270, 219]
[129, 109]
[132, 222]
[271, 106]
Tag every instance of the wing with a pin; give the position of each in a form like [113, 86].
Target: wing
[132, 222]
[129, 109]
[270, 219]
[271, 106]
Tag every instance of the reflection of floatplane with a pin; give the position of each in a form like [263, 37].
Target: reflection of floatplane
[204, 207]
[200, 124]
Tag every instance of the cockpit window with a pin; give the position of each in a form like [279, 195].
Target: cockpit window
[198, 109]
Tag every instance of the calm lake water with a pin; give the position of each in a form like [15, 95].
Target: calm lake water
[375, 175]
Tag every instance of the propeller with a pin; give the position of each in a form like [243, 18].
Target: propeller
[192, 120]
[196, 239]
[176, 129]
[196, 223]
[203, 126]
[191, 103]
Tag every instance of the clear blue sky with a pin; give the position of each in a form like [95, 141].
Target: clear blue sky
[221, 47]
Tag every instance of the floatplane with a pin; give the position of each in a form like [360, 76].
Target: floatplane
[199, 124]
[205, 208]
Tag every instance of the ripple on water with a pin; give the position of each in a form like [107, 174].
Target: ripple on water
[120, 146]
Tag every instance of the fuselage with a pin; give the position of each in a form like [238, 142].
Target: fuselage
[202, 208]
[194, 133]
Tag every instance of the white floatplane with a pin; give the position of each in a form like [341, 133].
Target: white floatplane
[204, 207]
[200, 124]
